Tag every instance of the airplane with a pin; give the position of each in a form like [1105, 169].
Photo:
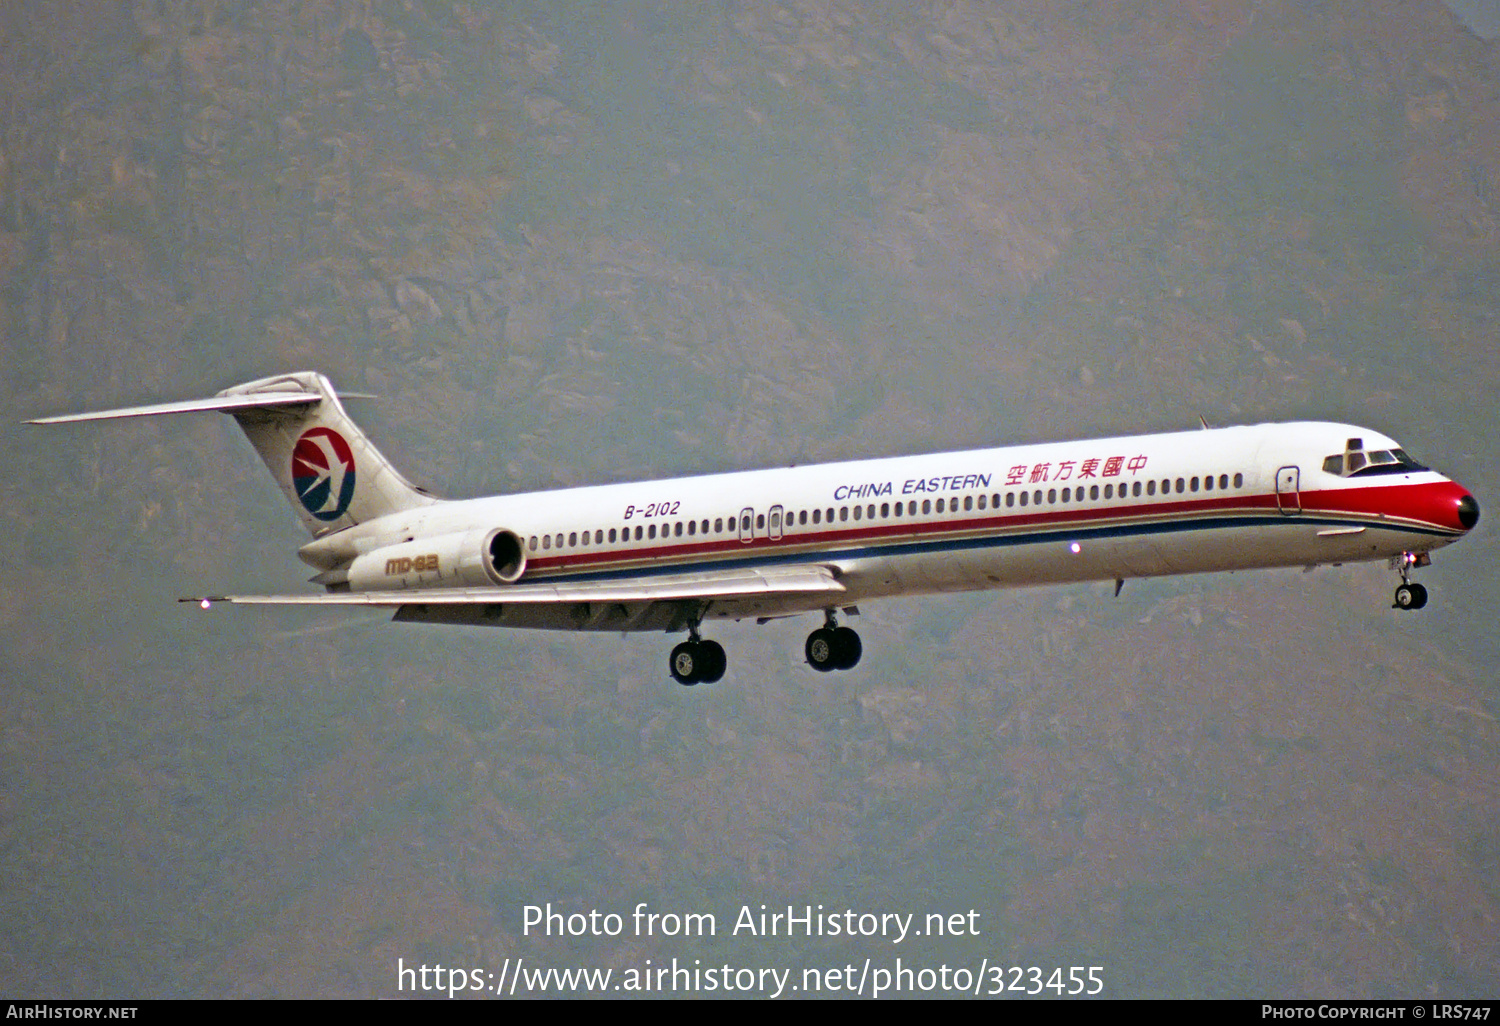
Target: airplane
[668, 555]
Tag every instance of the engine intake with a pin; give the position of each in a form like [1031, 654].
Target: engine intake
[506, 558]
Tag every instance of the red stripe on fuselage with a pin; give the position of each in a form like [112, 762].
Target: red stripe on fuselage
[1431, 504]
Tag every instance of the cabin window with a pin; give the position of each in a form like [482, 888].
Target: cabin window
[1093, 491]
[817, 516]
[1109, 491]
[885, 510]
[639, 532]
[1150, 488]
[857, 512]
[1239, 480]
[572, 539]
[546, 541]
[1010, 499]
[926, 506]
[1208, 483]
[1051, 496]
[532, 543]
[1193, 484]
[651, 531]
[940, 505]
[843, 513]
[981, 501]
[1025, 497]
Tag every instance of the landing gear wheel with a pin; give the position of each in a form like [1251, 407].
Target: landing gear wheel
[687, 663]
[833, 648]
[713, 660]
[698, 662]
[847, 648]
[822, 650]
[1410, 596]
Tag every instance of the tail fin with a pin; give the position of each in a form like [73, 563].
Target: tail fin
[331, 474]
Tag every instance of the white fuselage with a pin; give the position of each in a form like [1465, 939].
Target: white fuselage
[1102, 509]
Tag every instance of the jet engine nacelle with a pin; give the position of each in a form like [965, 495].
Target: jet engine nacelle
[462, 559]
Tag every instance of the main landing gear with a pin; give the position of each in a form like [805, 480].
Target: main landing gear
[1408, 594]
[832, 647]
[696, 661]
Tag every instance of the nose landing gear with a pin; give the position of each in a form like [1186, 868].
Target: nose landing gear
[1409, 595]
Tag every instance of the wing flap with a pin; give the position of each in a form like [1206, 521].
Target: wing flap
[677, 587]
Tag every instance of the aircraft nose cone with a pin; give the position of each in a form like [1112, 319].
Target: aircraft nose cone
[1468, 512]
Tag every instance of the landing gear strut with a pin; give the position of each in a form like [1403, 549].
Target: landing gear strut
[1408, 594]
[832, 647]
[696, 661]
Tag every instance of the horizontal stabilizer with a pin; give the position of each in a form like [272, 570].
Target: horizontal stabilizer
[706, 587]
[220, 403]
[327, 468]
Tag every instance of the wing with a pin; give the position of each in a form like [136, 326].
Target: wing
[632, 603]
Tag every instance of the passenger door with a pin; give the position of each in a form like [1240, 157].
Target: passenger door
[1288, 493]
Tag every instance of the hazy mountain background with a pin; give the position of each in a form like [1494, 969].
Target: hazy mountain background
[578, 242]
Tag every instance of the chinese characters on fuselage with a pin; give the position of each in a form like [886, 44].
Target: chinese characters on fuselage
[1034, 473]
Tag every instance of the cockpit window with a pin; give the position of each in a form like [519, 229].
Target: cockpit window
[1355, 461]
